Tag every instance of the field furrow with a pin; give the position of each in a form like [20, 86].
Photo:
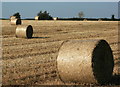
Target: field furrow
[34, 61]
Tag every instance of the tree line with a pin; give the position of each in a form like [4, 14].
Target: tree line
[46, 15]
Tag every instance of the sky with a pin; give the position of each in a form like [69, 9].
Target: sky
[59, 0]
[61, 9]
[0, 9]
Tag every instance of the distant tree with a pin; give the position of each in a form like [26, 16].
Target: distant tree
[44, 15]
[113, 17]
[46, 12]
[81, 14]
[39, 13]
[17, 15]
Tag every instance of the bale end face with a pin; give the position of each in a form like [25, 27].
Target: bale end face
[85, 61]
[102, 62]
[29, 31]
[18, 22]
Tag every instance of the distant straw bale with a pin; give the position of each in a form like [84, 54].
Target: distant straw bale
[85, 19]
[99, 19]
[24, 31]
[15, 21]
[37, 17]
[56, 18]
[12, 17]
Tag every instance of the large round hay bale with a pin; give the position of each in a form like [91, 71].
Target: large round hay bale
[85, 61]
[15, 21]
[24, 31]
[37, 17]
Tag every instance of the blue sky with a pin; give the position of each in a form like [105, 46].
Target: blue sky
[61, 9]
[59, 0]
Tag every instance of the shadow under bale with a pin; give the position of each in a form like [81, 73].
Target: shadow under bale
[40, 37]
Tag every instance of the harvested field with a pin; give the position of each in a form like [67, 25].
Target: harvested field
[34, 61]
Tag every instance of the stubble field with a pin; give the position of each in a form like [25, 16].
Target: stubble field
[33, 61]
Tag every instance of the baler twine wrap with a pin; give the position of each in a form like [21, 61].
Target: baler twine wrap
[15, 21]
[24, 31]
[85, 61]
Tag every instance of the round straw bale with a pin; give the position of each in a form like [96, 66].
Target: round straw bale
[85, 19]
[99, 19]
[55, 18]
[85, 61]
[15, 21]
[12, 17]
[37, 17]
[24, 31]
